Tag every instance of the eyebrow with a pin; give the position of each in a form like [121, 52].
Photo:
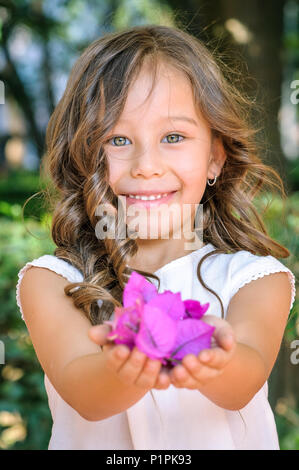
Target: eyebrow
[174, 118]
[183, 118]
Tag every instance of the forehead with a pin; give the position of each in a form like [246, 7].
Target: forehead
[172, 94]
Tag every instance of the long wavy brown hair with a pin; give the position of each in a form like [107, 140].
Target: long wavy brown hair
[75, 160]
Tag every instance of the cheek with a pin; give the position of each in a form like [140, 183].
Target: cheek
[193, 185]
[192, 169]
[115, 171]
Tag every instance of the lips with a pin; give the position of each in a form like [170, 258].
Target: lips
[149, 203]
[151, 197]
[148, 192]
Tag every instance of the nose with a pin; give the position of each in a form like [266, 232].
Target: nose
[148, 164]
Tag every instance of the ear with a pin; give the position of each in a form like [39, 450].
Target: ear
[217, 157]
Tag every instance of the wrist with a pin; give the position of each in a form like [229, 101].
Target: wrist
[238, 381]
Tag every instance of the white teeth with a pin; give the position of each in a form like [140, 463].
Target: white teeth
[148, 198]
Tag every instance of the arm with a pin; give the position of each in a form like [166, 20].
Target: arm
[96, 390]
[239, 380]
[256, 319]
[76, 367]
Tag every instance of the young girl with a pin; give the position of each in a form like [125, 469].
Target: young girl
[147, 117]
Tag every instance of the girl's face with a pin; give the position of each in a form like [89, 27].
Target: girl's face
[161, 146]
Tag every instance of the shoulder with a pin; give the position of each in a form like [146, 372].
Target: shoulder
[260, 302]
[235, 270]
[245, 267]
[54, 264]
[39, 271]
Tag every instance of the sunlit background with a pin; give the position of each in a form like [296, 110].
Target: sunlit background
[40, 40]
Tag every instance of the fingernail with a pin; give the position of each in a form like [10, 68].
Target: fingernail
[122, 352]
[229, 338]
[205, 357]
[192, 362]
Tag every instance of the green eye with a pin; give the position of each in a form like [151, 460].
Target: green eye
[174, 141]
[118, 137]
[122, 139]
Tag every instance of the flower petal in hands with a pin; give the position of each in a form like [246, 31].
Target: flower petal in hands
[138, 287]
[126, 325]
[157, 333]
[195, 309]
[170, 302]
[192, 336]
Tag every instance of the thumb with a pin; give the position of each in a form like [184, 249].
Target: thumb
[226, 338]
[98, 334]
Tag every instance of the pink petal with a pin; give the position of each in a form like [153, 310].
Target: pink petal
[170, 302]
[126, 325]
[192, 336]
[195, 309]
[138, 287]
[157, 333]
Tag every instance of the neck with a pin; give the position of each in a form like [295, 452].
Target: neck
[153, 254]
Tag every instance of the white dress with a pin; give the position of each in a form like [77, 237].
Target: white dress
[182, 419]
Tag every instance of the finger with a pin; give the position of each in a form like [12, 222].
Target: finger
[98, 334]
[199, 372]
[191, 384]
[116, 356]
[216, 358]
[225, 338]
[181, 378]
[133, 366]
[179, 374]
[205, 374]
[163, 380]
[148, 376]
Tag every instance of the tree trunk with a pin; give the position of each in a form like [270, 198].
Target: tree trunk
[263, 55]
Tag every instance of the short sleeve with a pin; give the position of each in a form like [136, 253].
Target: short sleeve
[53, 263]
[246, 267]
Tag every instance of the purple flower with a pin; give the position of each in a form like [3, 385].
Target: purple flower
[194, 308]
[125, 325]
[151, 337]
[171, 303]
[192, 337]
[161, 325]
[138, 288]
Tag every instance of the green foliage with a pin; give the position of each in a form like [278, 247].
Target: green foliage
[25, 419]
[282, 221]
[293, 172]
[141, 12]
[16, 188]
[287, 422]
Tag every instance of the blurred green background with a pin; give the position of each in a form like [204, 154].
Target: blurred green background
[39, 42]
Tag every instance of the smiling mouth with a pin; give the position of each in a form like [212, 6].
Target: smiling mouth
[149, 200]
[151, 197]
